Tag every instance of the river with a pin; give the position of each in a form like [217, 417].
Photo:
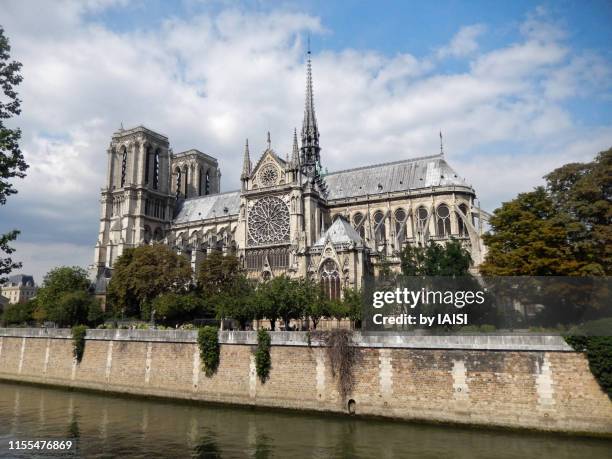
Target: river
[106, 427]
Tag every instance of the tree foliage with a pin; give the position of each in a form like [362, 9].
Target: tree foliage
[173, 308]
[450, 259]
[263, 361]
[563, 229]
[141, 274]
[217, 273]
[64, 298]
[236, 300]
[210, 351]
[19, 313]
[12, 162]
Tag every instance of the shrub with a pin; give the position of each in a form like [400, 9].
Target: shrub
[263, 362]
[208, 341]
[598, 350]
[341, 355]
[78, 341]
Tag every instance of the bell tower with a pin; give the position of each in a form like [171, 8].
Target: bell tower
[136, 201]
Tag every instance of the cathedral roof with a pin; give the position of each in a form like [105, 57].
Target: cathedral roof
[210, 206]
[340, 232]
[406, 175]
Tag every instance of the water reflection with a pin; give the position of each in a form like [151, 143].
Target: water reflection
[106, 427]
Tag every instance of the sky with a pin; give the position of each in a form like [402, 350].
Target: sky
[517, 89]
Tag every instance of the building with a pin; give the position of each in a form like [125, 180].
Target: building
[288, 217]
[19, 288]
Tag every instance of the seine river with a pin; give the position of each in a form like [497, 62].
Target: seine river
[106, 427]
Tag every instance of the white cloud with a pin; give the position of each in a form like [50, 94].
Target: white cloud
[463, 43]
[209, 81]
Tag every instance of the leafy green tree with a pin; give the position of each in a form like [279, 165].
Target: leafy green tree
[18, 314]
[314, 303]
[64, 298]
[450, 259]
[12, 162]
[59, 281]
[237, 301]
[217, 273]
[74, 308]
[563, 229]
[172, 308]
[143, 273]
[353, 301]
[278, 298]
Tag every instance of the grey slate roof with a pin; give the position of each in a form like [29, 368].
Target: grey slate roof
[409, 174]
[340, 232]
[210, 206]
[19, 280]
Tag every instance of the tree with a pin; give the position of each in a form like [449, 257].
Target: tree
[314, 303]
[279, 298]
[141, 274]
[450, 260]
[64, 298]
[236, 301]
[217, 272]
[173, 308]
[12, 162]
[353, 301]
[75, 308]
[59, 281]
[18, 314]
[563, 229]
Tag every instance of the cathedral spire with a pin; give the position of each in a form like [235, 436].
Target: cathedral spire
[246, 164]
[310, 133]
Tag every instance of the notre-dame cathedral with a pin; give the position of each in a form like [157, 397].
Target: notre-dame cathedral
[288, 217]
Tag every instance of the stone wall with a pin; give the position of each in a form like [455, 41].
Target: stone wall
[511, 381]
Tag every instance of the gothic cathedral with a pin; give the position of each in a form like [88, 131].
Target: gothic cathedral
[288, 217]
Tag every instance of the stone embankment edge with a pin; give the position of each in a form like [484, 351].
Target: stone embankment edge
[547, 343]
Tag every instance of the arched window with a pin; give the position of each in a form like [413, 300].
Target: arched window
[156, 170]
[207, 184]
[330, 279]
[462, 228]
[358, 220]
[200, 177]
[147, 164]
[380, 233]
[421, 219]
[186, 182]
[123, 166]
[443, 226]
[400, 225]
[177, 172]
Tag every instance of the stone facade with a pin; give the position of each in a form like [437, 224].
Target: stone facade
[288, 217]
[19, 288]
[487, 381]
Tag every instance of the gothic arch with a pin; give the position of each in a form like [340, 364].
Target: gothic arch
[443, 223]
[329, 274]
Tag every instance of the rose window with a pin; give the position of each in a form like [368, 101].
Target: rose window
[269, 221]
[268, 175]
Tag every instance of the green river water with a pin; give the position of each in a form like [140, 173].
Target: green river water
[105, 427]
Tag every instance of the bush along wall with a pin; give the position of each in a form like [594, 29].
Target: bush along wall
[263, 361]
[208, 342]
[598, 350]
[78, 341]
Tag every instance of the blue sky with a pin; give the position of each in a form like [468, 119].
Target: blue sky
[518, 88]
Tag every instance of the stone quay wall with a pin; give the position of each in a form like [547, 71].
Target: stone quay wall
[529, 382]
